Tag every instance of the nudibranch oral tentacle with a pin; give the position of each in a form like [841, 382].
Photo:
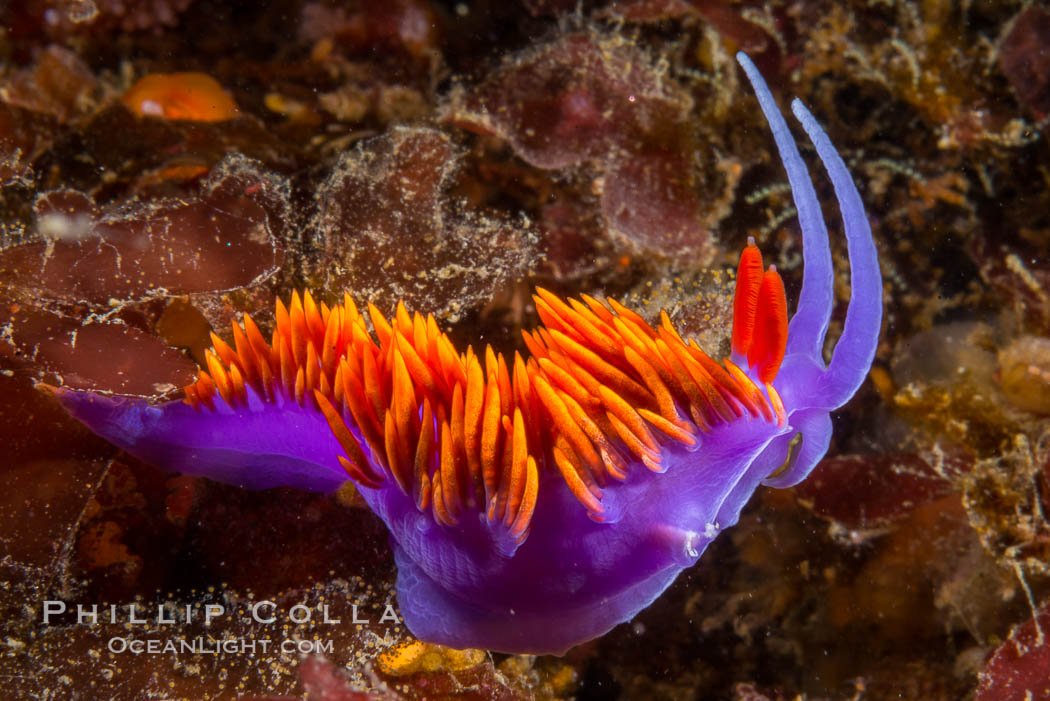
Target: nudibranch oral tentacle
[855, 349]
[533, 502]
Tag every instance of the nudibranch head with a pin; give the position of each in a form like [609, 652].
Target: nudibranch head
[533, 503]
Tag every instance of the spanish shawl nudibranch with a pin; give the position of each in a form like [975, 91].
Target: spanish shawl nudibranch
[534, 504]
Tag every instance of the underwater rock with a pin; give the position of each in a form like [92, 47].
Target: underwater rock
[390, 231]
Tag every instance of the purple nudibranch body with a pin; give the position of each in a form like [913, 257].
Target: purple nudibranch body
[534, 509]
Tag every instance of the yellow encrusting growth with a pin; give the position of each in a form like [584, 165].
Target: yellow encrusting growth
[601, 389]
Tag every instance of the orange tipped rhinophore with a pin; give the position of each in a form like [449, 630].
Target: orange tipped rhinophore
[192, 96]
[760, 323]
[602, 390]
[745, 301]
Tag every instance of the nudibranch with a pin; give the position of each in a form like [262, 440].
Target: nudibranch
[537, 502]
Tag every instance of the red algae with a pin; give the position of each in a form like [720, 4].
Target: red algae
[570, 236]
[23, 136]
[58, 84]
[1024, 59]
[1017, 670]
[741, 27]
[107, 356]
[76, 300]
[649, 199]
[408, 26]
[63, 18]
[867, 492]
[591, 99]
[178, 247]
[45, 482]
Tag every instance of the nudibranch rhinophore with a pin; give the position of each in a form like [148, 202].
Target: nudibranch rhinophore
[534, 504]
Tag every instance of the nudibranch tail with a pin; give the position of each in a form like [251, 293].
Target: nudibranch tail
[258, 444]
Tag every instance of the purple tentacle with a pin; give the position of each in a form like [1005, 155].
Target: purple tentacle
[810, 323]
[855, 349]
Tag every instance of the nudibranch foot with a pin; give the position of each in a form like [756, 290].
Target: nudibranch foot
[431, 612]
[534, 502]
